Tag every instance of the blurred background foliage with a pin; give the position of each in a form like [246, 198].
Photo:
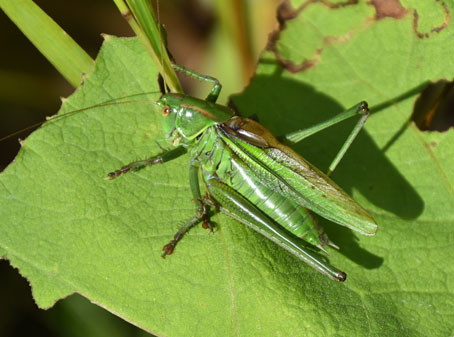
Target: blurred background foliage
[222, 38]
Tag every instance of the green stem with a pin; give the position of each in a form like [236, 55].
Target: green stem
[140, 16]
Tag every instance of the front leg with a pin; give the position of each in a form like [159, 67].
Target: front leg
[137, 165]
[214, 93]
[201, 208]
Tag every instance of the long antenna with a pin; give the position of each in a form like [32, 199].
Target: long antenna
[101, 105]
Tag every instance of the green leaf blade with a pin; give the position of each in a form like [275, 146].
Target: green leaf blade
[67, 229]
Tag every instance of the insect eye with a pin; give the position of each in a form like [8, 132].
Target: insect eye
[166, 111]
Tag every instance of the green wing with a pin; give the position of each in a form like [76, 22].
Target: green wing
[283, 170]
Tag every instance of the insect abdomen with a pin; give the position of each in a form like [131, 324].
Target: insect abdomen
[289, 215]
[216, 158]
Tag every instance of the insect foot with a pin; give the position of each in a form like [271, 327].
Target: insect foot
[169, 248]
[206, 223]
[117, 173]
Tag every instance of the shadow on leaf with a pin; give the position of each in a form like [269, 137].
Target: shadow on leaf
[285, 105]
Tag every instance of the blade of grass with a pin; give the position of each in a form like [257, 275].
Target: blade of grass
[234, 19]
[50, 39]
[140, 16]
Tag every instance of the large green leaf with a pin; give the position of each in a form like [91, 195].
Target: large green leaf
[68, 230]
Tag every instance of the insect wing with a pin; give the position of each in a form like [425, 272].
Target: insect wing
[284, 171]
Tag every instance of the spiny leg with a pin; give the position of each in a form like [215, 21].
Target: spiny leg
[235, 205]
[169, 247]
[137, 165]
[201, 207]
[359, 109]
[214, 93]
[351, 137]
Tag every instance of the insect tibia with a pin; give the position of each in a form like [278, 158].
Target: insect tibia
[217, 86]
[137, 165]
[170, 247]
[134, 166]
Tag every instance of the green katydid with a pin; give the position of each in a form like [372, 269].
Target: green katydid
[254, 178]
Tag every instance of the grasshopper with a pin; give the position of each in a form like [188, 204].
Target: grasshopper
[253, 177]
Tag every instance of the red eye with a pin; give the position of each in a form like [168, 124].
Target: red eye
[166, 111]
